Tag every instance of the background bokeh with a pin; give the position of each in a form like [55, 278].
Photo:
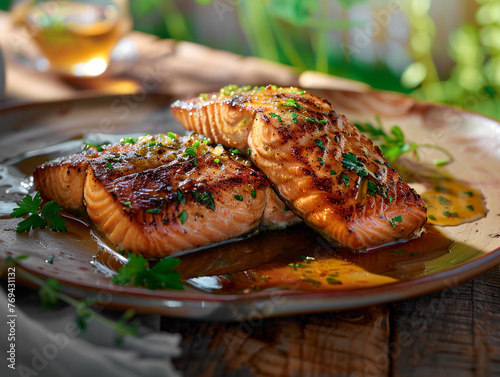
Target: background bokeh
[440, 50]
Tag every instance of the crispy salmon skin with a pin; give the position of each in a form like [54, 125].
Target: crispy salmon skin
[321, 166]
[158, 195]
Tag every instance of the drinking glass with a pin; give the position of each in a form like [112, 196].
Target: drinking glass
[76, 37]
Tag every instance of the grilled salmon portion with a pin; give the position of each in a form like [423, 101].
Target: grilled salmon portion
[159, 195]
[321, 166]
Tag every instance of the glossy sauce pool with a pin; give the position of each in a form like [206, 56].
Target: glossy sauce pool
[297, 258]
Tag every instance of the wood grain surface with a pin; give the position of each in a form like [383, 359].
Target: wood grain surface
[454, 332]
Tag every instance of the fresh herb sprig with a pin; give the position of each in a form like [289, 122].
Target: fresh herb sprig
[50, 295]
[39, 217]
[394, 144]
[139, 273]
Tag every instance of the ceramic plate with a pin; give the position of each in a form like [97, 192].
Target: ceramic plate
[285, 272]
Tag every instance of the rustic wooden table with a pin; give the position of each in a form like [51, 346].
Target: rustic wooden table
[454, 332]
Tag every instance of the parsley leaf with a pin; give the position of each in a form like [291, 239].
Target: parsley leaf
[38, 218]
[394, 144]
[351, 162]
[274, 115]
[395, 220]
[47, 293]
[292, 103]
[180, 197]
[372, 188]
[345, 179]
[129, 140]
[294, 117]
[51, 213]
[182, 217]
[190, 151]
[320, 144]
[205, 198]
[239, 197]
[161, 276]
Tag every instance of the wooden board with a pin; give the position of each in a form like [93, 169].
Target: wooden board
[454, 332]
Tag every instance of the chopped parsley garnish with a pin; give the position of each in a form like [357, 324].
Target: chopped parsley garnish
[297, 265]
[390, 199]
[228, 89]
[39, 218]
[336, 138]
[398, 252]
[234, 151]
[129, 140]
[308, 279]
[274, 115]
[345, 179]
[50, 260]
[333, 172]
[180, 197]
[154, 211]
[152, 143]
[97, 146]
[468, 193]
[109, 166]
[249, 151]
[216, 160]
[447, 213]
[239, 197]
[443, 200]
[373, 188]
[172, 135]
[395, 220]
[470, 208]
[182, 217]
[332, 279]
[294, 117]
[432, 217]
[321, 161]
[128, 204]
[292, 103]
[351, 162]
[190, 151]
[254, 194]
[203, 96]
[286, 209]
[305, 258]
[319, 143]
[139, 272]
[315, 120]
[205, 198]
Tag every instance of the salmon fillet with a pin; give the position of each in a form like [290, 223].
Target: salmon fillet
[321, 166]
[159, 195]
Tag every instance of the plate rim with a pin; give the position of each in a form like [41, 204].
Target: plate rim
[380, 294]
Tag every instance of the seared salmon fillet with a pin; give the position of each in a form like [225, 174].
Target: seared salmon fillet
[158, 195]
[321, 166]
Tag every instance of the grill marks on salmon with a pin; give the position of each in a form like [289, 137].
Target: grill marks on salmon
[321, 166]
[160, 195]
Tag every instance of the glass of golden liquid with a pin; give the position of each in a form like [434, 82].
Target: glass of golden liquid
[76, 37]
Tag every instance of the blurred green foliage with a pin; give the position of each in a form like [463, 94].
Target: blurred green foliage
[296, 32]
[474, 82]
[4, 4]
